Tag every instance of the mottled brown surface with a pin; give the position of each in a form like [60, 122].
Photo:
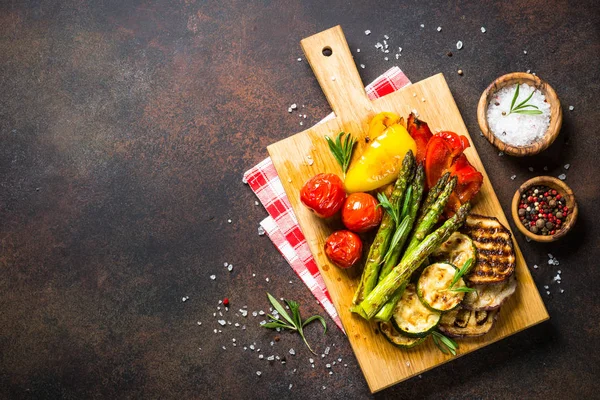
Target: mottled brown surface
[125, 128]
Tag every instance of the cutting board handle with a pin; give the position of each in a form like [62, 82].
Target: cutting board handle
[331, 61]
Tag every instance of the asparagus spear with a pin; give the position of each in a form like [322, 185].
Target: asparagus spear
[378, 249]
[418, 186]
[432, 195]
[412, 207]
[431, 216]
[399, 275]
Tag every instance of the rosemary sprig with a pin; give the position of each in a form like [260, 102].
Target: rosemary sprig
[294, 322]
[459, 274]
[342, 148]
[445, 344]
[523, 107]
[384, 203]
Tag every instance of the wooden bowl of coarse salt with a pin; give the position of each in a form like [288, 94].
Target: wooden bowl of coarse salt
[520, 114]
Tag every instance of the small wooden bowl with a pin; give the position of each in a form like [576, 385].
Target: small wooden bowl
[551, 98]
[560, 187]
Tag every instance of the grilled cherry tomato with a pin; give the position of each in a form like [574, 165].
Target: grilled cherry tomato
[343, 248]
[324, 194]
[360, 212]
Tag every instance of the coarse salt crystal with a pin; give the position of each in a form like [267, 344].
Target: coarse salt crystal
[386, 59]
[367, 32]
[213, 277]
[571, 108]
[358, 50]
[293, 352]
[562, 177]
[422, 25]
[258, 373]
[567, 166]
[333, 78]
[230, 268]
[535, 266]
[524, 51]
[386, 37]
[299, 59]
[362, 66]
[439, 28]
[513, 177]
[459, 45]
[483, 30]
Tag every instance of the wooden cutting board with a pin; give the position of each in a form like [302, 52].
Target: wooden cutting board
[306, 154]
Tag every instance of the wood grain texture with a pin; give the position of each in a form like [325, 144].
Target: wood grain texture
[305, 154]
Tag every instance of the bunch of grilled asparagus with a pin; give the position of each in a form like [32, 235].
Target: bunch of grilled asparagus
[386, 274]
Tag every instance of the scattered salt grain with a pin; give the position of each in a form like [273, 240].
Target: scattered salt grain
[228, 221]
[254, 314]
[546, 286]
[333, 78]
[514, 128]
[310, 360]
[571, 108]
[362, 66]
[562, 290]
[567, 166]
[562, 177]
[530, 169]
[299, 59]
[267, 280]
[439, 28]
[230, 268]
[535, 266]
[545, 168]
[548, 292]
[215, 331]
[199, 323]
[483, 30]
[358, 50]
[290, 387]
[513, 177]
[386, 59]
[185, 298]
[408, 364]
[367, 32]
[459, 45]
[327, 349]
[294, 106]
[327, 365]
[224, 348]
[213, 277]
[293, 352]
[330, 372]
[524, 51]
[422, 25]
[258, 373]
[500, 153]
[260, 356]
[527, 239]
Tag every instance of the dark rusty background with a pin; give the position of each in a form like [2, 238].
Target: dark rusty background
[125, 127]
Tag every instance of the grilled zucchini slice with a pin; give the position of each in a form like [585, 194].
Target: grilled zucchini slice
[456, 250]
[411, 317]
[433, 287]
[398, 339]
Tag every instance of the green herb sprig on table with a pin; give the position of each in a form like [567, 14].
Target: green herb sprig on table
[294, 322]
[445, 344]
[342, 148]
[523, 107]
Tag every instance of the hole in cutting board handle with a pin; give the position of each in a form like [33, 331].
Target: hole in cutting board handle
[327, 51]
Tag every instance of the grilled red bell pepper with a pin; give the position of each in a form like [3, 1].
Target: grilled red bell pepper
[445, 154]
[421, 134]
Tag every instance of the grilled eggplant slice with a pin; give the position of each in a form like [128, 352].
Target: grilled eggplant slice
[490, 297]
[433, 287]
[495, 260]
[411, 317]
[461, 322]
[456, 250]
[398, 339]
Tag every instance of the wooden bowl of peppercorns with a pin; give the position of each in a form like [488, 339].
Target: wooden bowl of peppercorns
[544, 209]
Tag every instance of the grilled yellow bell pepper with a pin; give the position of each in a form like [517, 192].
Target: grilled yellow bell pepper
[380, 162]
[380, 122]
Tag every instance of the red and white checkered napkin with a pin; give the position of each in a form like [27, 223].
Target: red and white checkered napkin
[282, 226]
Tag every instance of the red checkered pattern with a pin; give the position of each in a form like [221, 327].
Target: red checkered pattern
[282, 226]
